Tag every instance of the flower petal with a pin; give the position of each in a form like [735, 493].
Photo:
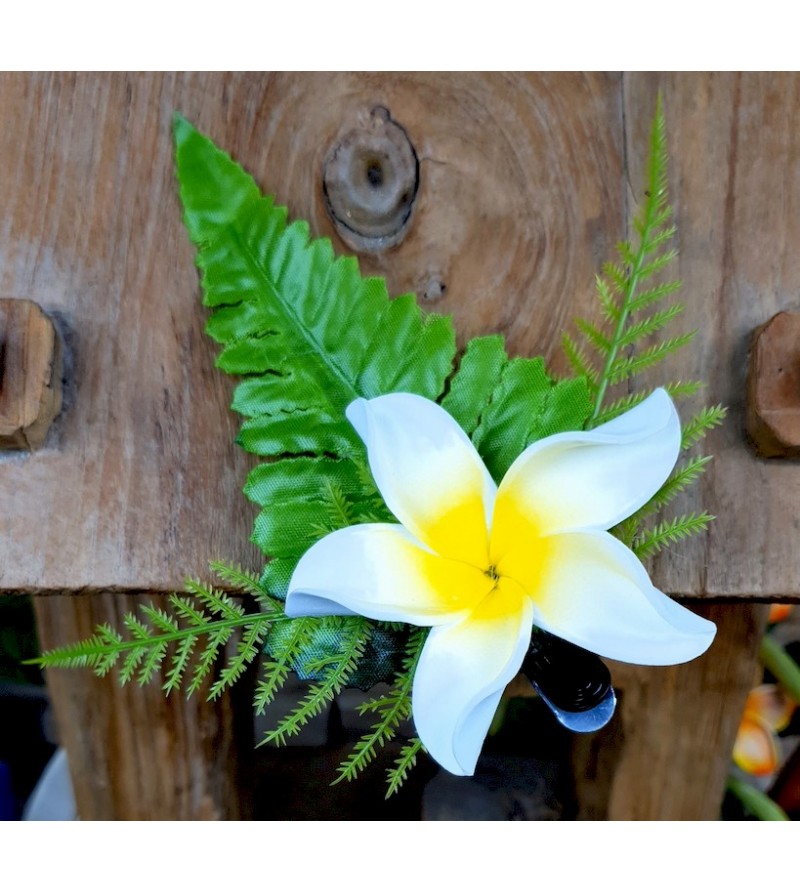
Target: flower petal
[755, 750]
[462, 672]
[772, 705]
[380, 571]
[588, 588]
[779, 612]
[587, 479]
[428, 472]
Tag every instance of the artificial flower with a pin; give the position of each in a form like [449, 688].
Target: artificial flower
[767, 710]
[482, 564]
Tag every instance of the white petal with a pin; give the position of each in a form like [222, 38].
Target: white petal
[593, 591]
[428, 472]
[462, 672]
[380, 571]
[588, 479]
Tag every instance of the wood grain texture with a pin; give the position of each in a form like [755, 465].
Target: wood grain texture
[135, 754]
[519, 201]
[521, 197]
[735, 183]
[666, 754]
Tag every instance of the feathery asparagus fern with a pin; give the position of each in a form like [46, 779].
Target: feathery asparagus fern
[619, 349]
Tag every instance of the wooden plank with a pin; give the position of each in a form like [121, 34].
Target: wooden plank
[140, 485]
[519, 200]
[735, 181]
[135, 754]
[666, 754]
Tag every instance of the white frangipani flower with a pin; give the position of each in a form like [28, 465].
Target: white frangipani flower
[481, 564]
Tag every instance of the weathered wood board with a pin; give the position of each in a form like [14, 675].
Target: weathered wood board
[735, 181]
[526, 182]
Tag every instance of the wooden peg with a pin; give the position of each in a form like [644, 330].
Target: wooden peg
[773, 388]
[30, 374]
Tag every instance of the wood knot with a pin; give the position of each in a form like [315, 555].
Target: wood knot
[30, 374]
[773, 388]
[370, 180]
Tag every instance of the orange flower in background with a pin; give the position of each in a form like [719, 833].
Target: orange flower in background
[778, 613]
[767, 711]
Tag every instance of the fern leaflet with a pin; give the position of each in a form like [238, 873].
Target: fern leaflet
[649, 542]
[393, 709]
[356, 632]
[397, 775]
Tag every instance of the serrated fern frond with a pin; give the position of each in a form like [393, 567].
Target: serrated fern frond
[247, 649]
[355, 633]
[650, 296]
[216, 640]
[337, 506]
[626, 367]
[620, 292]
[181, 659]
[594, 336]
[578, 360]
[215, 601]
[204, 615]
[624, 289]
[705, 420]
[398, 773]
[649, 326]
[682, 477]
[244, 581]
[285, 652]
[392, 709]
[648, 542]
[676, 389]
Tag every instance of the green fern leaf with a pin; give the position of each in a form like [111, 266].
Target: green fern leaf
[579, 361]
[131, 663]
[525, 406]
[650, 296]
[180, 660]
[246, 651]
[608, 303]
[649, 542]
[627, 367]
[677, 482]
[245, 582]
[649, 326]
[478, 374]
[151, 663]
[159, 618]
[205, 663]
[676, 389]
[214, 601]
[392, 709]
[594, 336]
[397, 775]
[705, 420]
[355, 632]
[288, 641]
